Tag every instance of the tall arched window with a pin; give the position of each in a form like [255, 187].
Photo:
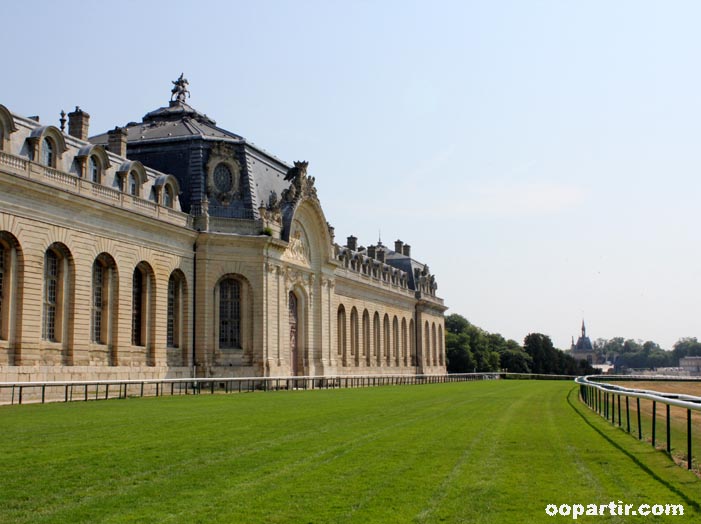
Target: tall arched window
[48, 153]
[99, 296]
[354, 342]
[412, 342]
[104, 272]
[386, 348]
[366, 336]
[230, 314]
[175, 310]
[142, 299]
[441, 352]
[433, 344]
[395, 341]
[427, 344]
[342, 335]
[10, 267]
[137, 308]
[404, 356]
[377, 336]
[56, 298]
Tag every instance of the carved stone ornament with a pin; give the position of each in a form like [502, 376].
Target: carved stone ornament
[223, 174]
[301, 185]
[298, 247]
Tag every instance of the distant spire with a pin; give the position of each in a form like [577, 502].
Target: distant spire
[584, 329]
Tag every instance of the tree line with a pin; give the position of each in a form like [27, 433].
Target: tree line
[636, 354]
[471, 349]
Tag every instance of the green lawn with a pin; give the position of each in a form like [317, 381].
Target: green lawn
[495, 451]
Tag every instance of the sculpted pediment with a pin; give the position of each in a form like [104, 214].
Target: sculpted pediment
[298, 250]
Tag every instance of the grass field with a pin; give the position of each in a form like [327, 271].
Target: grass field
[494, 451]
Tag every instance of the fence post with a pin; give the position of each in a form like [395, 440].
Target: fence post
[654, 419]
[688, 438]
[640, 428]
[619, 410]
[669, 440]
[628, 413]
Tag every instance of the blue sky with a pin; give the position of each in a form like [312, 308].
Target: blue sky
[541, 156]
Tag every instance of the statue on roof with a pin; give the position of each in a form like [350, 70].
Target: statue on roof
[180, 91]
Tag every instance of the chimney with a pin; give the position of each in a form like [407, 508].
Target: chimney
[381, 255]
[398, 245]
[406, 250]
[78, 122]
[352, 243]
[117, 141]
[371, 251]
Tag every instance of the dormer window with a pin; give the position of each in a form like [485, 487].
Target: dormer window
[48, 154]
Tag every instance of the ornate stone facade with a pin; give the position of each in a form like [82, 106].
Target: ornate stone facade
[173, 247]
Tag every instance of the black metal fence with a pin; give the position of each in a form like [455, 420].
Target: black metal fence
[41, 392]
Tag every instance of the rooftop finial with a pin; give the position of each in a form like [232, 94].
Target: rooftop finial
[180, 91]
[63, 120]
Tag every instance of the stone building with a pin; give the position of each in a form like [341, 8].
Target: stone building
[172, 247]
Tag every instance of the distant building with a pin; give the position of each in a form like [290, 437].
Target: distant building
[691, 365]
[583, 349]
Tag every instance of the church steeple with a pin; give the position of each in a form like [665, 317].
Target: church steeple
[584, 329]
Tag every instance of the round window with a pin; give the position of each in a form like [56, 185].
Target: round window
[223, 180]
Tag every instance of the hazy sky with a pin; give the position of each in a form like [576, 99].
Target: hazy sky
[543, 157]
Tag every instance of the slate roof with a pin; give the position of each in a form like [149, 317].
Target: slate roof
[178, 120]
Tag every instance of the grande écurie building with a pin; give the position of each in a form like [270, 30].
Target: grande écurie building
[171, 248]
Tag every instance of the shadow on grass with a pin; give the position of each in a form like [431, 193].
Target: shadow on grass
[694, 504]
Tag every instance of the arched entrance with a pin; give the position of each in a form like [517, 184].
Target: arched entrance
[294, 334]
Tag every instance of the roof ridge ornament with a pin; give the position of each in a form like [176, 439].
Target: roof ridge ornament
[180, 91]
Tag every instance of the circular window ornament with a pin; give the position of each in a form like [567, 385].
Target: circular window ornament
[223, 174]
[223, 180]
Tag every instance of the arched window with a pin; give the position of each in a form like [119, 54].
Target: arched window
[48, 153]
[377, 336]
[354, 342]
[427, 344]
[10, 267]
[412, 342]
[386, 348]
[141, 293]
[395, 340]
[441, 352]
[434, 348]
[404, 357]
[137, 308]
[366, 336]
[230, 314]
[342, 334]
[175, 310]
[94, 170]
[98, 301]
[56, 297]
[103, 297]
